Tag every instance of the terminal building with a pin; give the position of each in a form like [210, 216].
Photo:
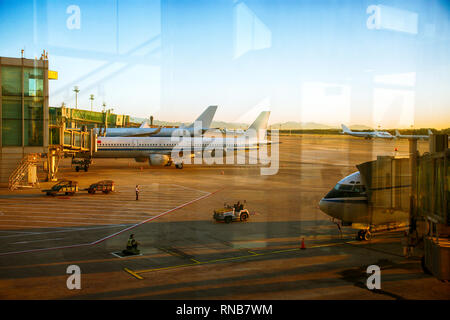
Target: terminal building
[24, 112]
[32, 134]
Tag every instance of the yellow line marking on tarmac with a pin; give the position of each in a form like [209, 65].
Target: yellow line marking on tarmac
[285, 250]
[327, 245]
[133, 274]
[251, 255]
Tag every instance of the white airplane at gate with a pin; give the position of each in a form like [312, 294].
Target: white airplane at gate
[159, 150]
[204, 122]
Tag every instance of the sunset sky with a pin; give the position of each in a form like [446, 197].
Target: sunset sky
[384, 63]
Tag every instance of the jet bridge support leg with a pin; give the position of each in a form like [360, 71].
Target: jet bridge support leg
[52, 164]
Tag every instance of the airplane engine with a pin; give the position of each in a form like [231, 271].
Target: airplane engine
[158, 159]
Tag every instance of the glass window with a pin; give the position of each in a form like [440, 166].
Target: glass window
[360, 189]
[11, 122]
[12, 108]
[33, 109]
[12, 132]
[54, 136]
[33, 122]
[33, 132]
[33, 82]
[11, 81]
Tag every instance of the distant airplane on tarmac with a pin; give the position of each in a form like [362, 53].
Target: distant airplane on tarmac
[204, 122]
[412, 136]
[348, 203]
[367, 134]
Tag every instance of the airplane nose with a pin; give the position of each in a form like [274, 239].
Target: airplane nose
[322, 205]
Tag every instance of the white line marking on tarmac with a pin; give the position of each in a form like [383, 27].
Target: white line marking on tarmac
[112, 235]
[116, 255]
[65, 230]
[45, 221]
[20, 242]
[71, 217]
[137, 204]
[143, 215]
[190, 188]
[13, 231]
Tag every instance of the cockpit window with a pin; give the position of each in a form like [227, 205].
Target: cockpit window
[343, 187]
[347, 191]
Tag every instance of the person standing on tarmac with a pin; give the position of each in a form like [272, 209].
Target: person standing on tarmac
[137, 192]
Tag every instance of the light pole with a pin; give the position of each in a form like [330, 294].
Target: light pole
[91, 97]
[76, 90]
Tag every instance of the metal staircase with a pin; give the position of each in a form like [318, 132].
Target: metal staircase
[21, 171]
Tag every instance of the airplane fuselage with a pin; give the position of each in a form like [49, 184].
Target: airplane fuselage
[348, 202]
[151, 132]
[369, 135]
[135, 147]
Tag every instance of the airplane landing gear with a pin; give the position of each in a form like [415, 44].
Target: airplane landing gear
[363, 235]
[179, 165]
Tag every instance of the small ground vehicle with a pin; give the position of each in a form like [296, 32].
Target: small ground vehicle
[66, 187]
[81, 164]
[229, 213]
[105, 186]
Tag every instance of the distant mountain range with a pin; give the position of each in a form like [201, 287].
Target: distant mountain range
[291, 125]
[214, 124]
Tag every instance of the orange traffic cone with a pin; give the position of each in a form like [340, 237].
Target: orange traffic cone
[303, 244]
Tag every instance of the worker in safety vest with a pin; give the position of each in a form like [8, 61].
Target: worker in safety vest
[132, 243]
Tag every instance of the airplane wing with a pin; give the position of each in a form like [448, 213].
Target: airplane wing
[145, 134]
[144, 124]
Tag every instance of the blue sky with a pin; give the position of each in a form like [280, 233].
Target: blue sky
[384, 63]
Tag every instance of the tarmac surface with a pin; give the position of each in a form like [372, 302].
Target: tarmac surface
[185, 254]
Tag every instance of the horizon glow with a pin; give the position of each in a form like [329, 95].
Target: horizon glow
[379, 64]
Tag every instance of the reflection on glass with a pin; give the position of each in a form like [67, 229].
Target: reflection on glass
[33, 82]
[33, 122]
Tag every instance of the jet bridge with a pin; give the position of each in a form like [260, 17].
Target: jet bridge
[433, 205]
[388, 183]
[417, 191]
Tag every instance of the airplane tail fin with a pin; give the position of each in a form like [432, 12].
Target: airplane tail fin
[397, 134]
[144, 124]
[345, 129]
[430, 132]
[206, 117]
[260, 123]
